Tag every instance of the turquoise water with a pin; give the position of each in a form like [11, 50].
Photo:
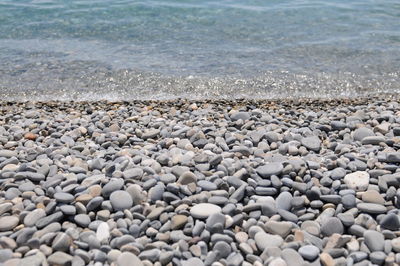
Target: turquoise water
[198, 49]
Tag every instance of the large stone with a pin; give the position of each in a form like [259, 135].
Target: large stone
[59, 258]
[331, 226]
[374, 240]
[391, 222]
[278, 228]
[128, 259]
[360, 133]
[309, 252]
[371, 208]
[312, 143]
[358, 180]
[264, 240]
[34, 216]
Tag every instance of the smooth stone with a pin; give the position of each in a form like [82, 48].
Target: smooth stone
[372, 196]
[338, 173]
[187, 178]
[203, 210]
[372, 140]
[8, 223]
[278, 228]
[309, 252]
[292, 257]
[311, 227]
[103, 232]
[34, 216]
[377, 257]
[8, 153]
[223, 248]
[178, 221]
[68, 210]
[59, 258]
[121, 200]
[312, 143]
[61, 242]
[331, 226]
[128, 259]
[82, 220]
[264, 240]
[283, 201]
[396, 244]
[371, 208]
[374, 240]
[110, 187]
[240, 116]
[358, 181]
[193, 262]
[391, 222]
[269, 169]
[360, 133]
[64, 197]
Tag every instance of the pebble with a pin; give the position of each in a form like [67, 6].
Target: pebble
[203, 210]
[332, 226]
[8, 223]
[309, 252]
[374, 240]
[358, 180]
[121, 200]
[269, 169]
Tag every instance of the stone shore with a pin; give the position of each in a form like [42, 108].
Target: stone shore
[192, 183]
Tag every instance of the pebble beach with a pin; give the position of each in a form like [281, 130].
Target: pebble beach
[192, 183]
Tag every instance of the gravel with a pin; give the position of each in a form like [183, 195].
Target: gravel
[200, 183]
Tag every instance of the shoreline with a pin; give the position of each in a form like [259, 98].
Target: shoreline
[200, 182]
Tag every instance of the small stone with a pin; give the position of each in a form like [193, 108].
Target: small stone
[269, 169]
[187, 178]
[326, 259]
[396, 244]
[391, 222]
[331, 226]
[121, 200]
[371, 208]
[374, 240]
[203, 210]
[128, 259]
[360, 133]
[30, 136]
[103, 232]
[312, 143]
[8, 223]
[264, 240]
[178, 221]
[34, 216]
[358, 180]
[59, 258]
[309, 252]
[372, 196]
[64, 197]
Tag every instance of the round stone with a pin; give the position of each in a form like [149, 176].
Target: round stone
[264, 240]
[309, 252]
[82, 220]
[8, 223]
[103, 232]
[203, 210]
[110, 187]
[178, 221]
[391, 222]
[121, 200]
[358, 180]
[34, 216]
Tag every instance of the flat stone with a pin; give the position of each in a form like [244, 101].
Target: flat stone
[331, 226]
[8, 153]
[63, 197]
[187, 178]
[121, 200]
[128, 259]
[372, 140]
[360, 133]
[178, 221]
[264, 240]
[203, 210]
[59, 258]
[8, 223]
[240, 115]
[373, 196]
[358, 181]
[269, 169]
[113, 185]
[278, 228]
[311, 227]
[312, 143]
[291, 257]
[61, 242]
[374, 240]
[283, 201]
[309, 252]
[371, 208]
[150, 134]
[193, 262]
[393, 157]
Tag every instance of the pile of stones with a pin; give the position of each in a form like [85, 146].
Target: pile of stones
[200, 183]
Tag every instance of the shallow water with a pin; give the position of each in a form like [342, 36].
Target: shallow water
[198, 49]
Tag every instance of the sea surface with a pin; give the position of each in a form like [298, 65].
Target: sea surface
[122, 50]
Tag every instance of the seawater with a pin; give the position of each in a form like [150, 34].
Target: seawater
[121, 50]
